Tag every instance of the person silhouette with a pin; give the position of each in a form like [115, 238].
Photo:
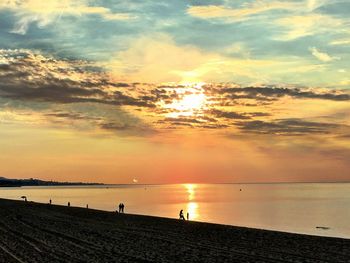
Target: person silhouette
[120, 207]
[123, 208]
[181, 215]
[68, 203]
[188, 216]
[50, 201]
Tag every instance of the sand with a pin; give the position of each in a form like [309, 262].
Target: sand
[32, 232]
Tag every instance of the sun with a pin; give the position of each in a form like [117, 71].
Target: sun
[189, 101]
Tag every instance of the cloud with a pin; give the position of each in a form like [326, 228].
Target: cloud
[344, 82]
[301, 19]
[237, 14]
[68, 115]
[183, 120]
[46, 12]
[227, 102]
[271, 93]
[32, 76]
[288, 127]
[227, 114]
[294, 19]
[322, 56]
[314, 4]
[340, 42]
[200, 122]
[158, 58]
[238, 49]
[286, 20]
[297, 26]
[81, 95]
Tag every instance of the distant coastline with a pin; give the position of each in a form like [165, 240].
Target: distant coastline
[7, 182]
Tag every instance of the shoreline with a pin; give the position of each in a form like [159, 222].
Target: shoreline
[194, 221]
[35, 232]
[204, 222]
[324, 228]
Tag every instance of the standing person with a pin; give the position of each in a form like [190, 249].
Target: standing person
[123, 208]
[50, 201]
[68, 204]
[120, 207]
[188, 216]
[181, 215]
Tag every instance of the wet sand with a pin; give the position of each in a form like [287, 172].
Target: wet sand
[32, 232]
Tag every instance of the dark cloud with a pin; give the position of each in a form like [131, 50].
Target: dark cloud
[119, 98]
[30, 76]
[115, 126]
[233, 115]
[183, 120]
[121, 122]
[227, 114]
[179, 123]
[258, 114]
[214, 126]
[121, 84]
[271, 93]
[69, 115]
[345, 136]
[68, 92]
[287, 127]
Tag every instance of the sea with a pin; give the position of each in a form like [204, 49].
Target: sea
[321, 209]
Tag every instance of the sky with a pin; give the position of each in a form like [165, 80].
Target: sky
[194, 91]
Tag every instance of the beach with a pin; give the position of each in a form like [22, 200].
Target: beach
[34, 232]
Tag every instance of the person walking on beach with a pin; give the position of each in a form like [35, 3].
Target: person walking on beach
[50, 201]
[181, 215]
[123, 208]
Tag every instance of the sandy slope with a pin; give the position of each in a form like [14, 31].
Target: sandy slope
[31, 232]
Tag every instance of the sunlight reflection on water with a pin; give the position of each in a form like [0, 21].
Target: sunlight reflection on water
[268, 206]
[192, 207]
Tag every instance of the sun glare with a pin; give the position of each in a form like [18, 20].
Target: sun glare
[190, 190]
[189, 101]
[192, 207]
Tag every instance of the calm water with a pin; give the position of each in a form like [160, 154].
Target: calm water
[297, 208]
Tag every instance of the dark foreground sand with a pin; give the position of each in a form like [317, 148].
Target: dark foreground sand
[31, 232]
